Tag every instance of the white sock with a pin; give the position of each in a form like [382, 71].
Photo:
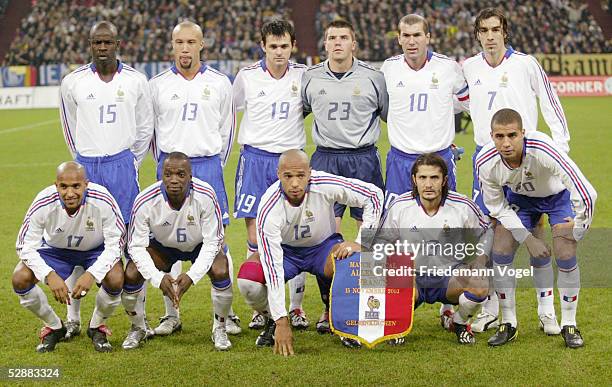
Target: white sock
[134, 307]
[105, 306]
[222, 302]
[491, 305]
[568, 283]
[230, 265]
[543, 278]
[468, 307]
[176, 270]
[255, 294]
[73, 311]
[297, 286]
[36, 302]
[506, 287]
[251, 249]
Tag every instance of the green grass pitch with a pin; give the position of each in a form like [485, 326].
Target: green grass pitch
[31, 145]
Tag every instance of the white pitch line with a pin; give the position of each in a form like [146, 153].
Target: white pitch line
[25, 127]
[29, 165]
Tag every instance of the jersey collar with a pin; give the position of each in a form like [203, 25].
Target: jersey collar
[427, 59]
[509, 52]
[175, 70]
[418, 200]
[262, 62]
[92, 66]
[329, 71]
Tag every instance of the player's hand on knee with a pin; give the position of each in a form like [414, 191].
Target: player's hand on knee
[564, 230]
[283, 338]
[346, 249]
[167, 287]
[58, 288]
[183, 283]
[82, 286]
[537, 247]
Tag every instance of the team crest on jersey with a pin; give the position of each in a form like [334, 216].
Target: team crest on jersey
[373, 304]
[504, 80]
[356, 90]
[206, 93]
[294, 89]
[309, 216]
[446, 227]
[89, 225]
[120, 95]
[528, 175]
[434, 81]
[190, 220]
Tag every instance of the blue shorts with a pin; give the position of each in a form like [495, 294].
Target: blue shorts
[431, 289]
[63, 261]
[399, 168]
[310, 259]
[208, 169]
[362, 163]
[118, 174]
[256, 172]
[171, 255]
[530, 209]
[476, 195]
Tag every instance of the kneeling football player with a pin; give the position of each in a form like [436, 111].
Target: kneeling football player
[72, 223]
[434, 214]
[296, 232]
[177, 218]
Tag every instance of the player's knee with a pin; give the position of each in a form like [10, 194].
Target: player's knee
[113, 282]
[252, 270]
[23, 278]
[132, 276]
[219, 269]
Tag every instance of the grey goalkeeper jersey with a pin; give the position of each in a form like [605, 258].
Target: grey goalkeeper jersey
[346, 111]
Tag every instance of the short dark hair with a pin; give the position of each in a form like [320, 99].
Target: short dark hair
[489, 13]
[278, 28]
[180, 156]
[340, 23]
[411, 19]
[506, 117]
[432, 159]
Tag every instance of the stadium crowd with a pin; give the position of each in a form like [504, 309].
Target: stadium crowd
[541, 26]
[56, 31]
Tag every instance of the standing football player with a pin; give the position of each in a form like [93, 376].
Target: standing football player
[269, 94]
[422, 86]
[500, 77]
[194, 114]
[522, 177]
[347, 98]
[107, 119]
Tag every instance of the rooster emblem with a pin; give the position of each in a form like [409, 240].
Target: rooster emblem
[373, 303]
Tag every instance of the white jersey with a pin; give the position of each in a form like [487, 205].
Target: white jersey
[407, 220]
[421, 113]
[278, 222]
[544, 171]
[195, 116]
[47, 225]
[514, 83]
[273, 118]
[197, 222]
[103, 119]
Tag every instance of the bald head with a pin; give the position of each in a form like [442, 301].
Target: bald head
[294, 157]
[103, 27]
[188, 26]
[70, 167]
